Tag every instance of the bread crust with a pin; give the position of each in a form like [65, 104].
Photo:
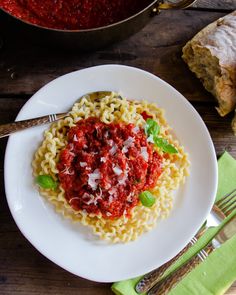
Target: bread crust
[211, 55]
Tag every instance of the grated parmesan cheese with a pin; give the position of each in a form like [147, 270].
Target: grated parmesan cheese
[71, 147]
[91, 199]
[110, 142]
[150, 138]
[103, 159]
[117, 170]
[75, 138]
[144, 153]
[113, 191]
[99, 196]
[67, 171]
[130, 198]
[122, 179]
[135, 129]
[83, 164]
[110, 199]
[113, 150]
[127, 144]
[93, 177]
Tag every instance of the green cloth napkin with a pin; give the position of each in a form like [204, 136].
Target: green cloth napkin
[217, 273]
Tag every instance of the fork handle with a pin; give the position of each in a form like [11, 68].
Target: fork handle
[153, 277]
[7, 129]
[168, 283]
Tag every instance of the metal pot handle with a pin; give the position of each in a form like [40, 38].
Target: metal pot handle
[179, 5]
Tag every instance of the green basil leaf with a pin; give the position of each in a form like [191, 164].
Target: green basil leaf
[164, 145]
[160, 142]
[147, 199]
[152, 128]
[170, 149]
[46, 181]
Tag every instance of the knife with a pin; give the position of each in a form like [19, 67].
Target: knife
[227, 231]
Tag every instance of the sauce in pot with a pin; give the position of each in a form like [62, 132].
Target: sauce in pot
[73, 14]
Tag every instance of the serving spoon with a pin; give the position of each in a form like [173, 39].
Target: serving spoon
[7, 129]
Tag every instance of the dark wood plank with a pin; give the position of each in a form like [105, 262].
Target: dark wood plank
[216, 4]
[157, 48]
[23, 270]
[219, 128]
[9, 108]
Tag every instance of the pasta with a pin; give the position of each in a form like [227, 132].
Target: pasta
[112, 107]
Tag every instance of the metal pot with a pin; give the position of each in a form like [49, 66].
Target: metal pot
[92, 39]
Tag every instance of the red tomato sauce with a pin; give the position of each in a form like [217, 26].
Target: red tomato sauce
[146, 116]
[73, 14]
[104, 167]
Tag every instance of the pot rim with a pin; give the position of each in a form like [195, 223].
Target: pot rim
[83, 30]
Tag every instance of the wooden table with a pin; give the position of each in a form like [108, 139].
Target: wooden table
[25, 68]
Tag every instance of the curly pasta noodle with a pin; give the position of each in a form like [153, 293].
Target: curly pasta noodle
[111, 107]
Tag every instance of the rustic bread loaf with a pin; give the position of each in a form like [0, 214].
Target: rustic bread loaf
[211, 55]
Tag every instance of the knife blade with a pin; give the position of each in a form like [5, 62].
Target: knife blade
[227, 231]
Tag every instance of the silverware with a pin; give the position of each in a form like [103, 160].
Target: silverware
[221, 209]
[227, 231]
[7, 129]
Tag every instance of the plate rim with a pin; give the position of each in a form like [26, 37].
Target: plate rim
[21, 114]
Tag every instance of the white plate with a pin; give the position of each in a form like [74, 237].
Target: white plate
[70, 245]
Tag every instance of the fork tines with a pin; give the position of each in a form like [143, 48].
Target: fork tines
[228, 203]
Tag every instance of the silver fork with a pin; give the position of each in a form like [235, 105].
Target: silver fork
[221, 210]
[7, 129]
